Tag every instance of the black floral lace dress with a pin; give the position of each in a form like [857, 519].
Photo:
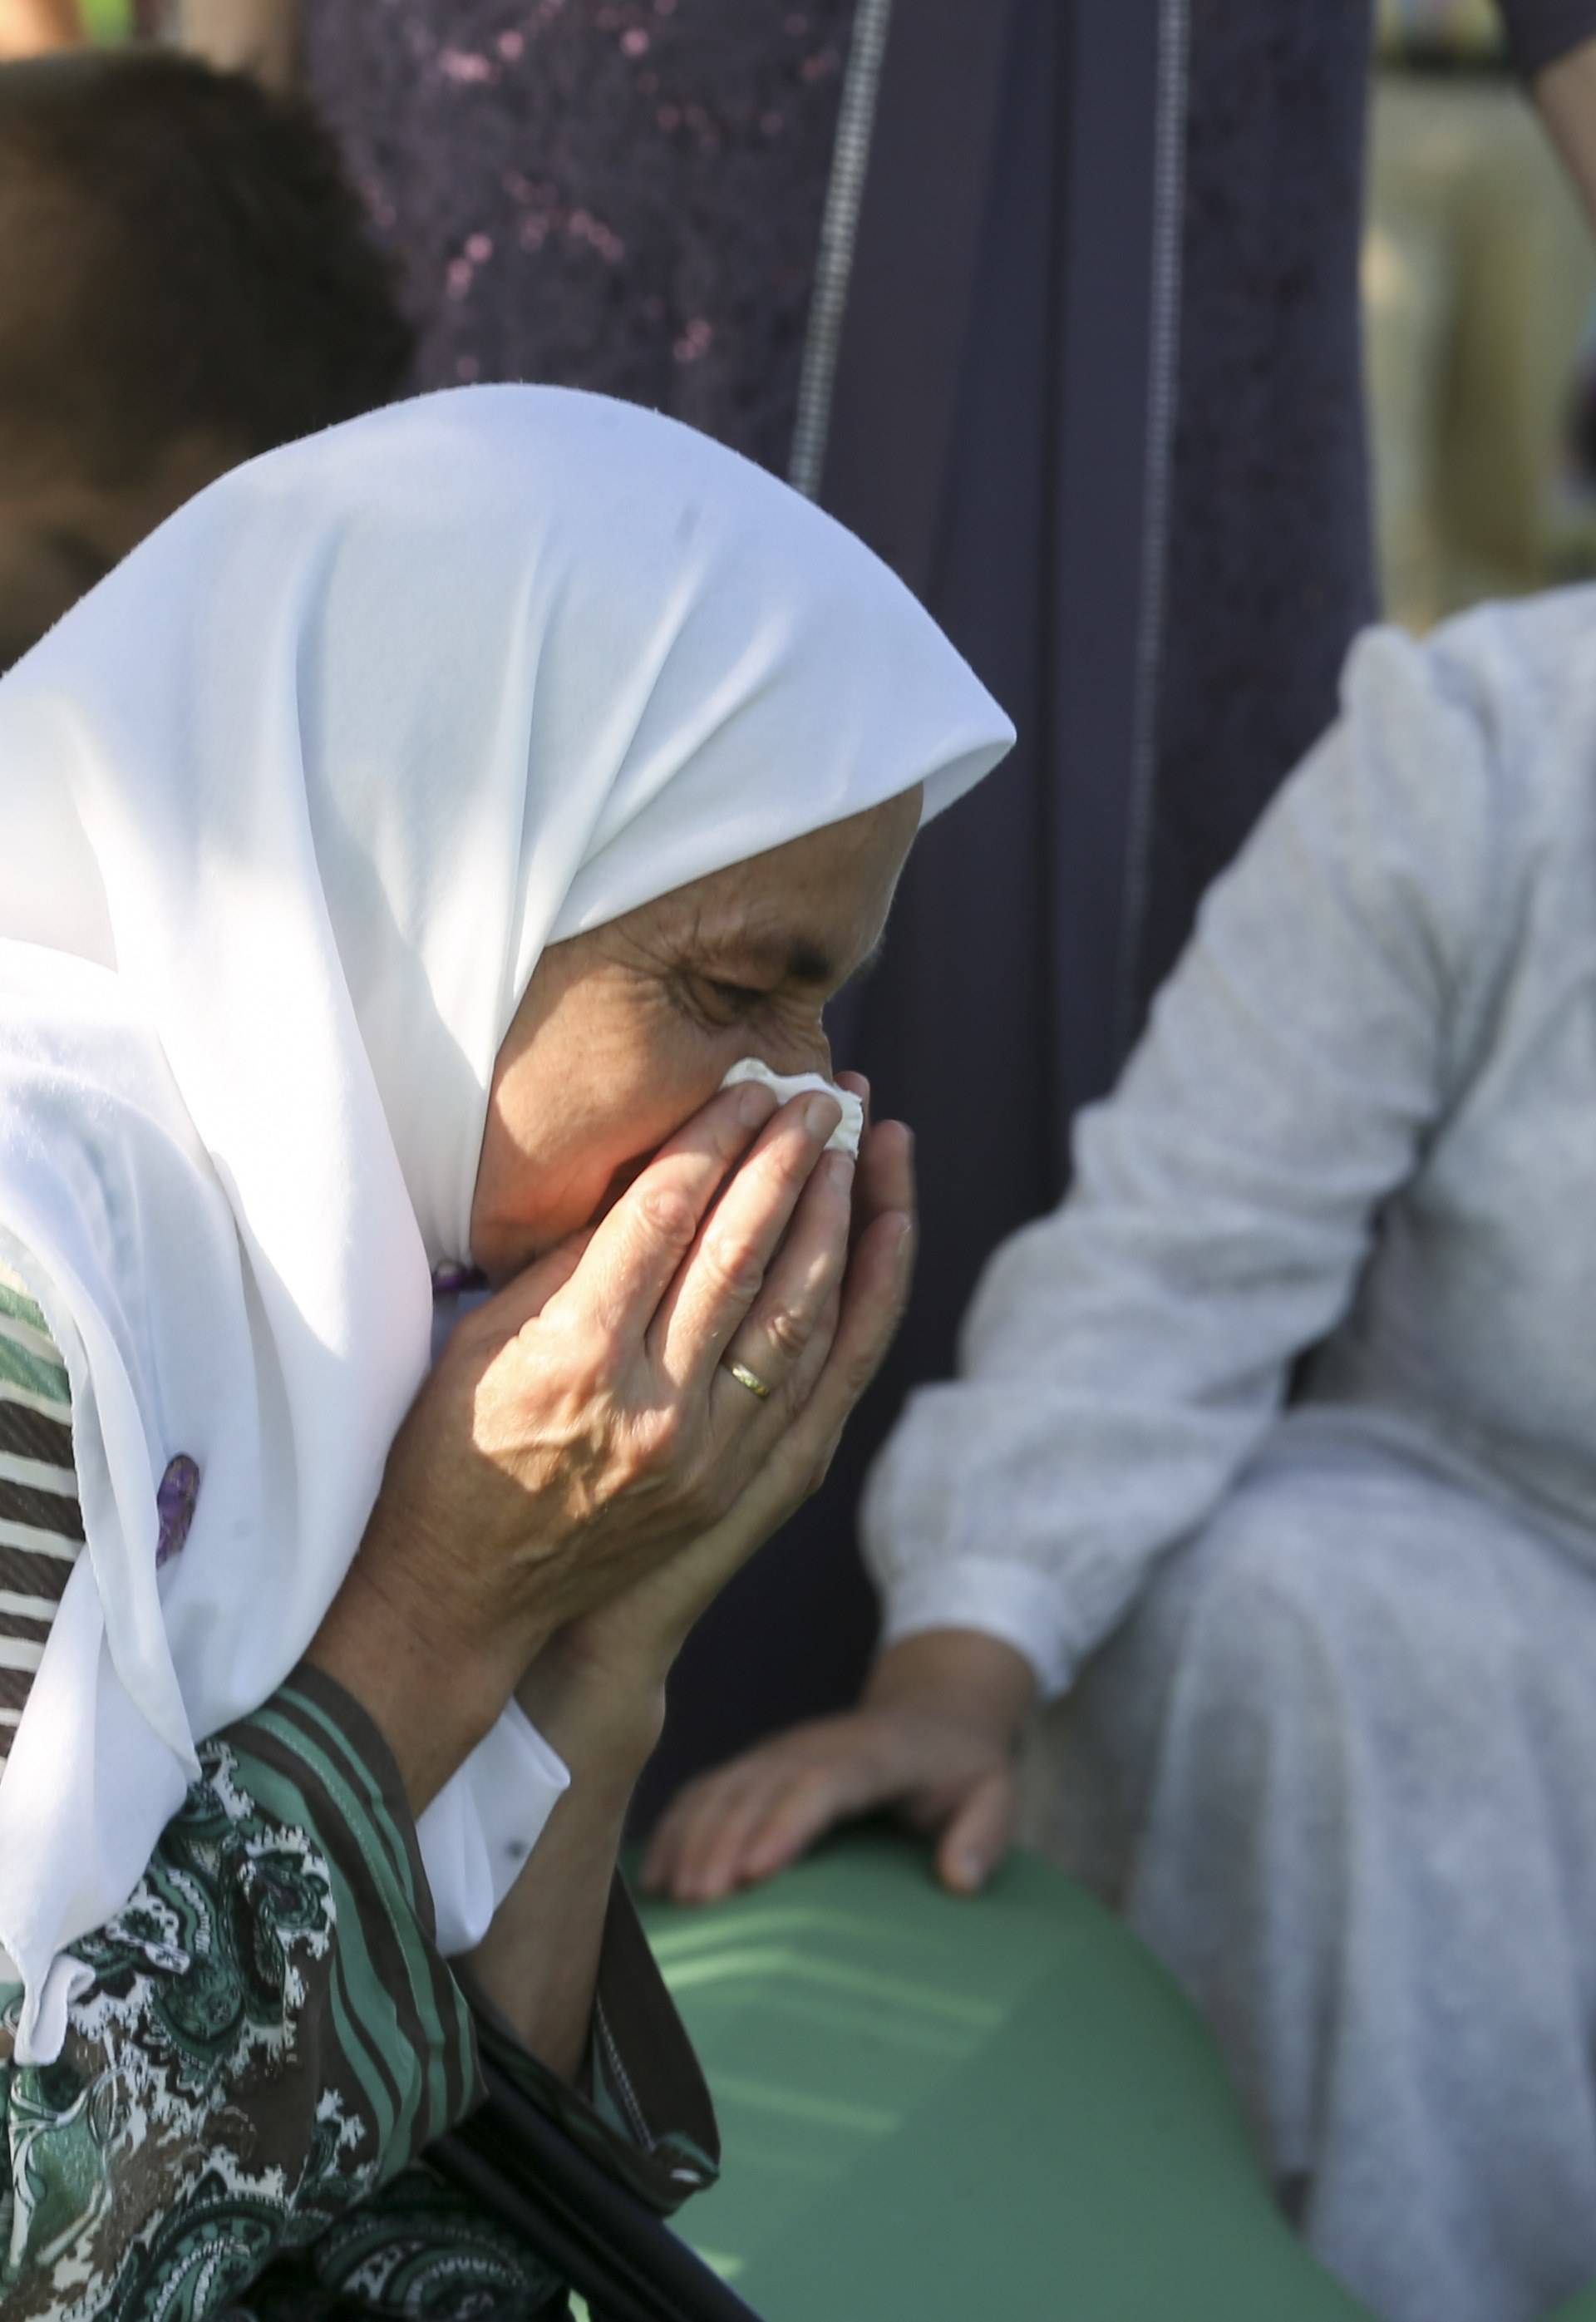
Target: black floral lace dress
[623, 195]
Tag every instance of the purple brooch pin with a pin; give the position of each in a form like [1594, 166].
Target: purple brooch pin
[174, 1502]
[452, 1280]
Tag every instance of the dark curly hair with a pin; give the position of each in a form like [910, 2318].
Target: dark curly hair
[179, 249]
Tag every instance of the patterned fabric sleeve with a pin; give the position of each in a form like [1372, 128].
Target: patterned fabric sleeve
[270, 2037]
[423, 2247]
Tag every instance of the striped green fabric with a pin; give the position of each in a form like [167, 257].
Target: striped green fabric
[29, 1360]
[404, 2022]
[40, 1524]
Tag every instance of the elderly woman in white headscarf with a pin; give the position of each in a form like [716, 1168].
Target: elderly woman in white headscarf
[399, 851]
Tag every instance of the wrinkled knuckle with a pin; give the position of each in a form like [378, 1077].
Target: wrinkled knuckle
[787, 1330]
[736, 1267]
[670, 1215]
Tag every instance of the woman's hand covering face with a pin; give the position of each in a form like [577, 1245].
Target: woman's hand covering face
[816, 1334]
[581, 1473]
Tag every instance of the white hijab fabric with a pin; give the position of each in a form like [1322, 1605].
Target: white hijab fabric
[289, 806]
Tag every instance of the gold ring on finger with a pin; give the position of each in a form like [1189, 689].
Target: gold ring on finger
[750, 1379]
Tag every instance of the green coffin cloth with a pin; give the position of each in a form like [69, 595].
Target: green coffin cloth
[937, 2110]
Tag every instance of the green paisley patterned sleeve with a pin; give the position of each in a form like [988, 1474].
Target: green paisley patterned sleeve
[270, 2037]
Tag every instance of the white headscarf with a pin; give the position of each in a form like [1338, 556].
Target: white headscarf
[289, 806]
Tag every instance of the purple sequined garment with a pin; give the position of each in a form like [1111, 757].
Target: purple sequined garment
[623, 195]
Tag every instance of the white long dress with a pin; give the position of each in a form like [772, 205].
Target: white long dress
[1329, 1655]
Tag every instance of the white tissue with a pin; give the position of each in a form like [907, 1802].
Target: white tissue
[845, 1138]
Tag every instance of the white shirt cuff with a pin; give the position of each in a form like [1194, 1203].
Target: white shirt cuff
[480, 1828]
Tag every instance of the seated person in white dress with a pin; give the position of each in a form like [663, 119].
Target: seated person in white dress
[1273, 1453]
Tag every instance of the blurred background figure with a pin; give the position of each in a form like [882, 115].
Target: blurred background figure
[206, 291]
[623, 197]
[1479, 278]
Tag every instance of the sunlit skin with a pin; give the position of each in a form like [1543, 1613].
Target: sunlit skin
[625, 1032]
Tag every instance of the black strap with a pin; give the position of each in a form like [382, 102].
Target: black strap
[521, 2168]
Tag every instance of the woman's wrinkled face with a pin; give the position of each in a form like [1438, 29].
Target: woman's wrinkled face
[625, 1032]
